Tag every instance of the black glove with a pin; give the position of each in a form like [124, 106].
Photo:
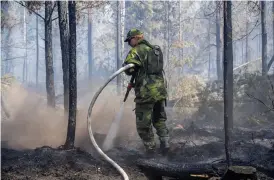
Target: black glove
[130, 71]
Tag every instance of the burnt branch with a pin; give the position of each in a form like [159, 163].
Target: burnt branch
[270, 63]
[33, 11]
[54, 5]
[257, 99]
[246, 35]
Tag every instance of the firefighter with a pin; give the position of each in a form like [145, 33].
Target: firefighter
[150, 90]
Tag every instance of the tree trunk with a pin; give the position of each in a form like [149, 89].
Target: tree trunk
[7, 64]
[118, 45]
[228, 76]
[209, 53]
[218, 44]
[90, 48]
[272, 59]
[242, 52]
[168, 35]
[25, 41]
[264, 39]
[48, 54]
[240, 172]
[37, 51]
[72, 76]
[181, 53]
[246, 40]
[150, 7]
[64, 39]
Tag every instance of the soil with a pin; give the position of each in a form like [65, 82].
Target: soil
[192, 145]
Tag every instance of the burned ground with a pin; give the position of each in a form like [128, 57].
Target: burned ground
[191, 145]
[32, 128]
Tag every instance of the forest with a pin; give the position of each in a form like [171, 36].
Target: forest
[219, 69]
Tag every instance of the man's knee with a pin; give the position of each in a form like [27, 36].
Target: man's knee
[159, 112]
[161, 128]
[143, 114]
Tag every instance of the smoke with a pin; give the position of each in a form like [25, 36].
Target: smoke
[32, 124]
[112, 133]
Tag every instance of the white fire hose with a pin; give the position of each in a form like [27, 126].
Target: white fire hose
[89, 120]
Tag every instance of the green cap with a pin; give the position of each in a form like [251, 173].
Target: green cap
[131, 33]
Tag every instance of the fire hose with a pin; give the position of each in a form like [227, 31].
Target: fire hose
[89, 120]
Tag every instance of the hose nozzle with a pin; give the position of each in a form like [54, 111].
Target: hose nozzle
[129, 87]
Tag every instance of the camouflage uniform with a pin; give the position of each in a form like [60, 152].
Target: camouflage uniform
[150, 92]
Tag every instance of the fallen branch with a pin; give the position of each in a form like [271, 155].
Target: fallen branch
[269, 108]
[270, 63]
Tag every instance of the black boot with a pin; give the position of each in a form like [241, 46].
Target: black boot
[150, 149]
[150, 153]
[164, 145]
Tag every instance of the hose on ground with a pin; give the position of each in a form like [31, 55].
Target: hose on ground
[89, 120]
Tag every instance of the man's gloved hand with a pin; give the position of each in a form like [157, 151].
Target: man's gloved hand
[130, 71]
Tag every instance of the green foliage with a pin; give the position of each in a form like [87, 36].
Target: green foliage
[6, 81]
[34, 6]
[253, 100]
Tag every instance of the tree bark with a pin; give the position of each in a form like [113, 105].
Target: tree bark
[25, 41]
[168, 35]
[264, 39]
[64, 39]
[218, 44]
[181, 53]
[272, 59]
[240, 172]
[118, 45]
[90, 48]
[37, 51]
[228, 76]
[72, 76]
[209, 53]
[48, 54]
[246, 40]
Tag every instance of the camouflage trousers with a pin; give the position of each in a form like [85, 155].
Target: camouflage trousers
[149, 115]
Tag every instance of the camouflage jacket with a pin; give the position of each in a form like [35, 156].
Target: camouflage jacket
[148, 88]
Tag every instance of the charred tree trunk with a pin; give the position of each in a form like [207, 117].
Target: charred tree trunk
[48, 54]
[228, 76]
[118, 45]
[180, 32]
[168, 35]
[37, 51]
[240, 172]
[25, 41]
[122, 35]
[246, 40]
[90, 48]
[209, 53]
[72, 77]
[272, 59]
[64, 39]
[218, 44]
[7, 65]
[264, 39]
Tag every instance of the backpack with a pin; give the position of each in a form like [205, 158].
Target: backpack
[155, 63]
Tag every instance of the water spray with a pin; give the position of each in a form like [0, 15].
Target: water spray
[89, 120]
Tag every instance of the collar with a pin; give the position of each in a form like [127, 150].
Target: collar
[143, 41]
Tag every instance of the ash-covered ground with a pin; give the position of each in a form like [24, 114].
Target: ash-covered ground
[190, 145]
[32, 128]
